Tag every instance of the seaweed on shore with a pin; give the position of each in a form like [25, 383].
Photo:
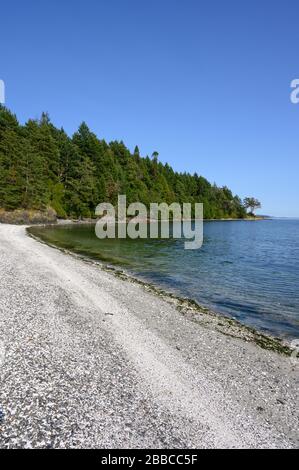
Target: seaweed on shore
[228, 326]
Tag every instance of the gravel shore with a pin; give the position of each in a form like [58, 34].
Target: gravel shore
[88, 360]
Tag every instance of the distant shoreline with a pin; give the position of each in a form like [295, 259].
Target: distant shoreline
[35, 217]
[93, 221]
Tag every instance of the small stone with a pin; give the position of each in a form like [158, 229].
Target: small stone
[1, 416]
[280, 401]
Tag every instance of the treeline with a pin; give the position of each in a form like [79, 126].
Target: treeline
[42, 167]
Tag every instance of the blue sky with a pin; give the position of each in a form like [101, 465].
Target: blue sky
[207, 84]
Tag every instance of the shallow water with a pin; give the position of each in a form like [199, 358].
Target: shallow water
[245, 270]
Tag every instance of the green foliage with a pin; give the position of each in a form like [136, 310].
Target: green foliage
[252, 204]
[41, 166]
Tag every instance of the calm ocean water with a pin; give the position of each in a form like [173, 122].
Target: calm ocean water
[245, 270]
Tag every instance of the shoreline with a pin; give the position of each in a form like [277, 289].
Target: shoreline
[93, 221]
[49, 217]
[188, 306]
[92, 360]
[265, 339]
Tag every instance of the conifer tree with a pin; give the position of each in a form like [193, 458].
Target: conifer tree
[41, 166]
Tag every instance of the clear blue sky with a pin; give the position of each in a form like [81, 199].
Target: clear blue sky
[207, 84]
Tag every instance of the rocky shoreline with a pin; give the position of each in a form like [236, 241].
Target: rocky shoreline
[92, 360]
